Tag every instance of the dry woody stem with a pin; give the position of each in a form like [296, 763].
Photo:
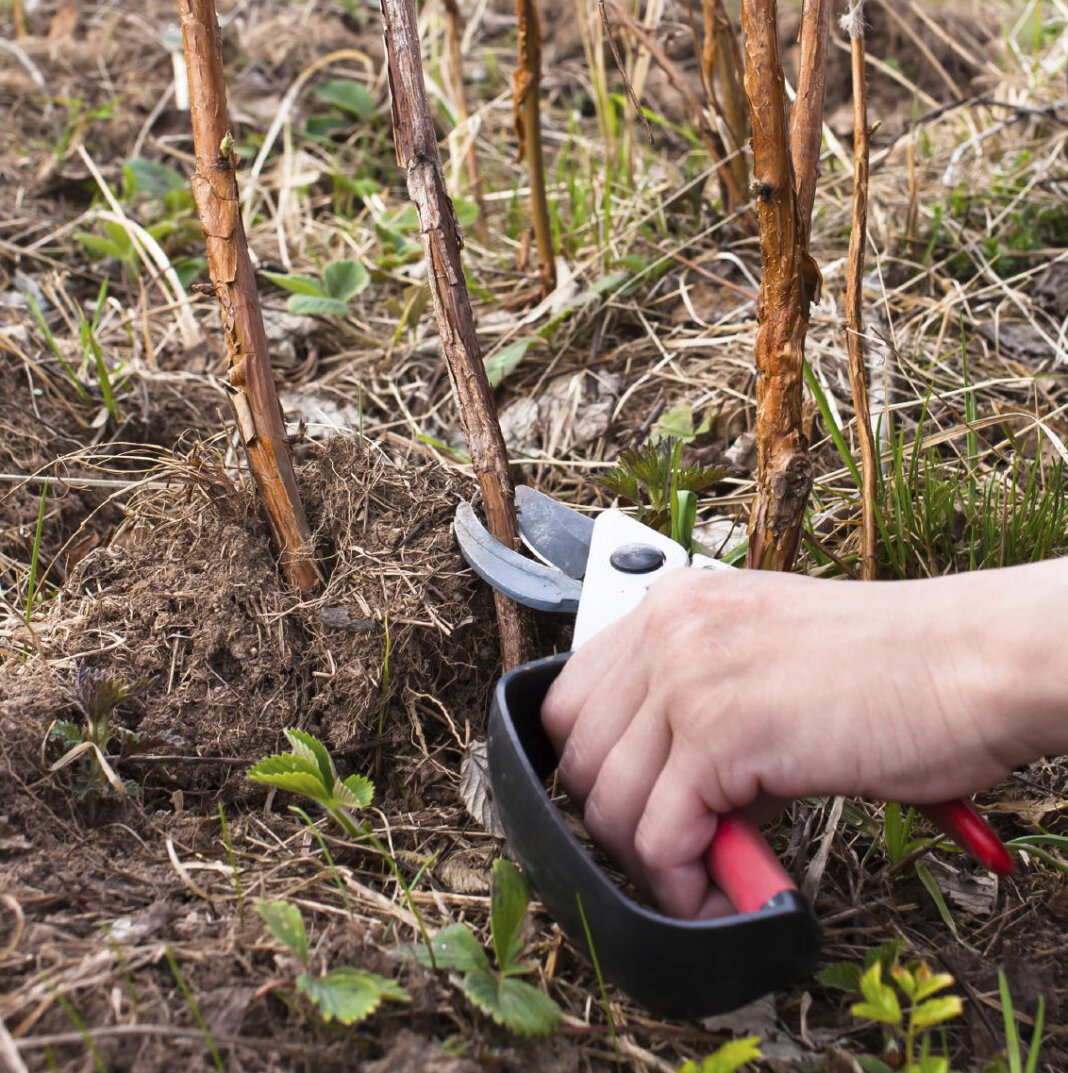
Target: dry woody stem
[454, 26]
[417, 153]
[257, 412]
[854, 315]
[730, 191]
[784, 469]
[526, 93]
[806, 118]
[721, 74]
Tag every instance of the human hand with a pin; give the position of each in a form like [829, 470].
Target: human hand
[724, 690]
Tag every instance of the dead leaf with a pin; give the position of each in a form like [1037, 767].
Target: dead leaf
[761, 1019]
[464, 873]
[64, 23]
[971, 892]
[476, 791]
[571, 412]
[410, 1053]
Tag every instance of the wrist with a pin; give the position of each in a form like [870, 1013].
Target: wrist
[1019, 630]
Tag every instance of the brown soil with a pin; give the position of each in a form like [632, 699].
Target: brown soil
[124, 922]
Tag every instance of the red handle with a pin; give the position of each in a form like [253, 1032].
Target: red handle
[742, 864]
[964, 824]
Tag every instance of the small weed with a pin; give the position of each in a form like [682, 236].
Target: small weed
[309, 771]
[326, 297]
[97, 694]
[509, 1001]
[665, 491]
[907, 1033]
[345, 994]
[32, 589]
[731, 1056]
[1014, 1061]
[194, 1009]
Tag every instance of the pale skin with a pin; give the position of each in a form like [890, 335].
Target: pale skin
[729, 690]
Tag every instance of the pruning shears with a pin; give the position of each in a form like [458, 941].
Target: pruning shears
[600, 570]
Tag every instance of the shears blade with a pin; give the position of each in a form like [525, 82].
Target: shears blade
[542, 587]
[558, 535]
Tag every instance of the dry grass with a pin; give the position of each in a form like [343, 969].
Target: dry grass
[653, 310]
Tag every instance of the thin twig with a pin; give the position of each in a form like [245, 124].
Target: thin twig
[454, 31]
[721, 73]
[806, 118]
[526, 104]
[853, 23]
[417, 152]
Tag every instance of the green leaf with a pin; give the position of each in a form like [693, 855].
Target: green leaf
[904, 979]
[102, 247]
[882, 1004]
[312, 749]
[466, 213]
[512, 1003]
[66, 733]
[296, 774]
[511, 893]
[728, 1058]
[285, 923]
[362, 791]
[455, 947]
[935, 892]
[349, 96]
[150, 177]
[871, 1064]
[936, 1010]
[842, 975]
[311, 306]
[500, 364]
[296, 284]
[927, 982]
[347, 994]
[322, 126]
[930, 1063]
[678, 423]
[345, 279]
[683, 518]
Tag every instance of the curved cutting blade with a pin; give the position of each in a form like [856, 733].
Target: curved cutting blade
[541, 587]
[557, 534]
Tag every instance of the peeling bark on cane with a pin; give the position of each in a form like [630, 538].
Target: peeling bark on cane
[417, 153]
[257, 412]
[784, 469]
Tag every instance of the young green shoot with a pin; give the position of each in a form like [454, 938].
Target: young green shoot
[309, 770]
[35, 555]
[194, 1009]
[346, 994]
[1014, 1060]
[664, 490]
[498, 992]
[729, 1057]
[909, 1007]
[97, 694]
[328, 296]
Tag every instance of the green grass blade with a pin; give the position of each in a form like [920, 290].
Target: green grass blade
[35, 554]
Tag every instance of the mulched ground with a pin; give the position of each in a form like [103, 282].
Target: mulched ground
[124, 924]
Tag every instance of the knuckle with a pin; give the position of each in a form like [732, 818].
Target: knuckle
[572, 770]
[650, 847]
